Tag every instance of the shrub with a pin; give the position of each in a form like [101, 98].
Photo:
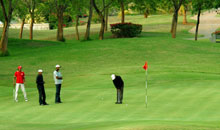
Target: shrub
[53, 21]
[216, 32]
[126, 12]
[126, 29]
[96, 18]
[82, 23]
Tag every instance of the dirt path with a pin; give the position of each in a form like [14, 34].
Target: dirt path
[208, 24]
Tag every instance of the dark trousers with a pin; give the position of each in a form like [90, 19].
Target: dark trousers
[58, 89]
[42, 95]
[120, 95]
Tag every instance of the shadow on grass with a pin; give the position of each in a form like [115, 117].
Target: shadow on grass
[155, 34]
[25, 43]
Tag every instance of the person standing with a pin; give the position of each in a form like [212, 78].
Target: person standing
[119, 85]
[40, 86]
[19, 77]
[58, 81]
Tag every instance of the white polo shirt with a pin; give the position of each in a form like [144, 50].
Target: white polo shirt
[55, 74]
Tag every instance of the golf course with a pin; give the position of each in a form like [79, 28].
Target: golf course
[183, 79]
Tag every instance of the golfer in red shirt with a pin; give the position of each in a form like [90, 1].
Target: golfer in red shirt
[19, 77]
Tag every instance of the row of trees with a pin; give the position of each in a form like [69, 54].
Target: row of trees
[76, 8]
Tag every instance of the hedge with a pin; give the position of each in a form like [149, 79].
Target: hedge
[125, 29]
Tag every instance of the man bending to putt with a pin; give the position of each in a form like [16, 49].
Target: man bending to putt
[119, 85]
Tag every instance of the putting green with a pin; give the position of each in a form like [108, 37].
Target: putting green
[183, 90]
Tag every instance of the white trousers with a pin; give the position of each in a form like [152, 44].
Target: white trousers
[23, 90]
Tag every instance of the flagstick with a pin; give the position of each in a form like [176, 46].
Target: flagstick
[146, 90]
[146, 67]
[13, 92]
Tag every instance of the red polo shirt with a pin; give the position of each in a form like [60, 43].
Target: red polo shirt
[19, 77]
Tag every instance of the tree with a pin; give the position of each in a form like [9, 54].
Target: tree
[77, 24]
[89, 21]
[106, 18]
[61, 6]
[185, 14]
[106, 13]
[6, 4]
[101, 15]
[76, 9]
[1, 15]
[21, 12]
[57, 8]
[122, 10]
[145, 6]
[176, 5]
[164, 6]
[31, 5]
[198, 6]
[216, 4]
[185, 7]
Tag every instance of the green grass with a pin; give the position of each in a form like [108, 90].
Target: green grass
[183, 84]
[158, 23]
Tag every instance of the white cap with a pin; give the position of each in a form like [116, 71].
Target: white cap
[40, 70]
[57, 66]
[113, 76]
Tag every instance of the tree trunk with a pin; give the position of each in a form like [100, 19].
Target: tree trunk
[174, 24]
[4, 39]
[60, 24]
[197, 24]
[122, 11]
[175, 17]
[106, 19]
[104, 9]
[89, 21]
[146, 13]
[76, 27]
[21, 29]
[102, 29]
[7, 18]
[184, 16]
[31, 26]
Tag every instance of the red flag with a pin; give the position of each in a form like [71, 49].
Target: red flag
[145, 66]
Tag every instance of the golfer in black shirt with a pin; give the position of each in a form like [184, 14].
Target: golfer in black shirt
[119, 85]
[40, 86]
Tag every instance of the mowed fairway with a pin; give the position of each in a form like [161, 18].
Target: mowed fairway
[183, 92]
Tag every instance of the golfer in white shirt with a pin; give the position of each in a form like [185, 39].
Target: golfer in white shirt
[58, 81]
